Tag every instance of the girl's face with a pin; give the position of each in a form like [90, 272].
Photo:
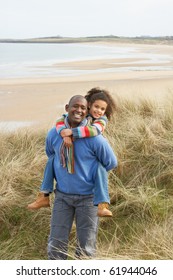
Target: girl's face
[98, 108]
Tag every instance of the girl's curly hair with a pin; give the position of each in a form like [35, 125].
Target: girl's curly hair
[101, 94]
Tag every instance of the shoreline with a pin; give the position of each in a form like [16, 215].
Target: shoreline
[42, 100]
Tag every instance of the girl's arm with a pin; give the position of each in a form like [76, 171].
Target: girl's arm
[97, 127]
[60, 126]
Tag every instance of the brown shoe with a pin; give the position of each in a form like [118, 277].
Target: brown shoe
[103, 210]
[41, 201]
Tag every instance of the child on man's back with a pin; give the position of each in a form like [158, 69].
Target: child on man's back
[101, 107]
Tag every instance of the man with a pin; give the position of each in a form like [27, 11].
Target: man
[74, 192]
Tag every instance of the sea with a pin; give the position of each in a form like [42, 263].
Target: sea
[23, 60]
[34, 60]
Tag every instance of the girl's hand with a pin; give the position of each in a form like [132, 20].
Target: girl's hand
[66, 132]
[67, 141]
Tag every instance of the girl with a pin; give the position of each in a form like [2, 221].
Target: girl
[101, 107]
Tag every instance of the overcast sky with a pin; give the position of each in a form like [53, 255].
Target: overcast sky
[80, 18]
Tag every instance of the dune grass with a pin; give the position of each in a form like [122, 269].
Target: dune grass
[141, 188]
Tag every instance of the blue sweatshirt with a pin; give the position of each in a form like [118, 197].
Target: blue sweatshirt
[88, 152]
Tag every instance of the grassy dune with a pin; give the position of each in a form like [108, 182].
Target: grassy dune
[141, 188]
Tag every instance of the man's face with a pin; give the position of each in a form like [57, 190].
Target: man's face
[77, 110]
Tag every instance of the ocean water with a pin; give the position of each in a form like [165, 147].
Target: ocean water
[37, 60]
[28, 60]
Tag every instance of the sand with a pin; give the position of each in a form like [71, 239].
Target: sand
[42, 100]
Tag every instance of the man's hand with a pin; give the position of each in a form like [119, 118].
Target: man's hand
[66, 132]
[67, 141]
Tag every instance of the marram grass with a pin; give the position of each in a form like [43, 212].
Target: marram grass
[141, 188]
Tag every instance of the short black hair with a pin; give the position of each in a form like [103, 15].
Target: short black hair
[74, 97]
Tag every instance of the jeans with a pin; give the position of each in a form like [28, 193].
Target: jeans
[66, 209]
[101, 193]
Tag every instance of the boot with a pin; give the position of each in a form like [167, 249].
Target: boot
[103, 210]
[41, 201]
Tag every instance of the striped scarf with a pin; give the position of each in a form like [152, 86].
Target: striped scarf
[67, 154]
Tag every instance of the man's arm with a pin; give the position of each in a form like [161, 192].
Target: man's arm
[49, 142]
[104, 153]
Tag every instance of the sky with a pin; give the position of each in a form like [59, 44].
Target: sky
[22, 19]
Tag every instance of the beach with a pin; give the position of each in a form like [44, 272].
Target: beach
[41, 100]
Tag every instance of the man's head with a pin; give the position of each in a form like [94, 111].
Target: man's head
[77, 110]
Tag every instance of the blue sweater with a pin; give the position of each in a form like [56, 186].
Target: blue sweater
[88, 151]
